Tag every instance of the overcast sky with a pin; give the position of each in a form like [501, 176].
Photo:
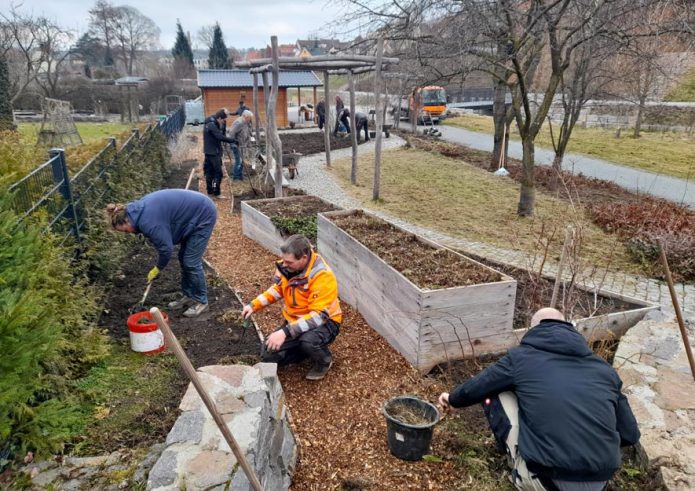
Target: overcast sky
[244, 23]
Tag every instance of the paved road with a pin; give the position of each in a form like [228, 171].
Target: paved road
[670, 188]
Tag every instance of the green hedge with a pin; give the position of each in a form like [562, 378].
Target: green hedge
[49, 308]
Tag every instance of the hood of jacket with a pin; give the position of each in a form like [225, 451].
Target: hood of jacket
[557, 337]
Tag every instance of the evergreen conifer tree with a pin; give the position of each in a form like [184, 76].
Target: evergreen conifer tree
[183, 55]
[5, 101]
[218, 57]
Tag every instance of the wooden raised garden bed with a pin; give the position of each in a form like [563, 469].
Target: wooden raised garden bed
[430, 303]
[297, 212]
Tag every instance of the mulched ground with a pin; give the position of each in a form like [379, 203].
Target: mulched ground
[309, 205]
[312, 142]
[338, 421]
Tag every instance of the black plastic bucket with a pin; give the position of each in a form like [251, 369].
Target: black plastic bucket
[410, 441]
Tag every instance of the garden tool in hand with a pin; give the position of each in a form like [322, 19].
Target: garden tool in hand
[141, 304]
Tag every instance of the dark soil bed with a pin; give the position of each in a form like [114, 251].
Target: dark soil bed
[424, 265]
[309, 205]
[310, 143]
[213, 338]
[533, 293]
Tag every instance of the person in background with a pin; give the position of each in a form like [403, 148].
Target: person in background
[342, 116]
[213, 136]
[240, 110]
[321, 113]
[240, 133]
[555, 408]
[362, 123]
[311, 309]
[167, 218]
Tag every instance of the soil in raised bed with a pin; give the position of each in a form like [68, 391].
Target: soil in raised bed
[424, 265]
[533, 293]
[295, 216]
[310, 143]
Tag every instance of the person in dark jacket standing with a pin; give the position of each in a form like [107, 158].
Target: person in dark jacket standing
[555, 407]
[321, 113]
[213, 136]
[167, 218]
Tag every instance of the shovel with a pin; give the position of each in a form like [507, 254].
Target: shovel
[141, 305]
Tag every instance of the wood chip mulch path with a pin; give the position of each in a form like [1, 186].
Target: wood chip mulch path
[337, 421]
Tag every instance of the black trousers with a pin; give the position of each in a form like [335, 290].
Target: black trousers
[312, 345]
[322, 121]
[362, 124]
[212, 167]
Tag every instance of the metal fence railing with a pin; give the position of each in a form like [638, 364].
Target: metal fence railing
[64, 199]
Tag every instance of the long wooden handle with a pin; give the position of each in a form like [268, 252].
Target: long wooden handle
[174, 345]
[679, 315]
[190, 178]
[569, 233]
[147, 292]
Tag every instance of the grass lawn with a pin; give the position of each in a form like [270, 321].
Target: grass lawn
[666, 153]
[461, 200]
[89, 132]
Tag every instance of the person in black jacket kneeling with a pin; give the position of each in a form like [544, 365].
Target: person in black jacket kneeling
[554, 407]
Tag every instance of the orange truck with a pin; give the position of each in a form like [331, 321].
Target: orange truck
[429, 102]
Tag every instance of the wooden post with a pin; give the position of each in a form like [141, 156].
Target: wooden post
[379, 119]
[277, 144]
[256, 115]
[315, 103]
[327, 130]
[677, 308]
[173, 344]
[268, 144]
[355, 136]
[569, 235]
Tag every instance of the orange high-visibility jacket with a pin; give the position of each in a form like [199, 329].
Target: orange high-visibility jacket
[311, 297]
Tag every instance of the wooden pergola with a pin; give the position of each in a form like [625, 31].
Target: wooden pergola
[328, 64]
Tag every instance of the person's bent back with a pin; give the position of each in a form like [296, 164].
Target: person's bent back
[572, 415]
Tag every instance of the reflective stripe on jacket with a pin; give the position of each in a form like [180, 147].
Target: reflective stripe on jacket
[310, 297]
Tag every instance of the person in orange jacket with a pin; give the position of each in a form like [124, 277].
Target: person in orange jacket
[311, 309]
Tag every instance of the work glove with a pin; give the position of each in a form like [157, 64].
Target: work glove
[154, 272]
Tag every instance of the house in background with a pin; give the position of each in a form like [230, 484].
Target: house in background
[225, 88]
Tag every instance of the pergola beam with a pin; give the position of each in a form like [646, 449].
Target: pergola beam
[318, 59]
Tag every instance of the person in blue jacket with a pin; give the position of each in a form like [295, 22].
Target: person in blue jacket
[555, 408]
[167, 218]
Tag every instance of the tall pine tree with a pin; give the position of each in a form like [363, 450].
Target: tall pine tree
[183, 55]
[218, 57]
[5, 100]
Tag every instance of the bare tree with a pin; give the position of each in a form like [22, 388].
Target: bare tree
[133, 32]
[102, 20]
[205, 35]
[54, 45]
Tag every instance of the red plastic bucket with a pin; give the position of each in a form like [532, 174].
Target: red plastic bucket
[146, 337]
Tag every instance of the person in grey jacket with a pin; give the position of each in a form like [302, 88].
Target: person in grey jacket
[555, 408]
[166, 218]
[240, 133]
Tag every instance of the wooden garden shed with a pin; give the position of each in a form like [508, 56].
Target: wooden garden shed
[225, 88]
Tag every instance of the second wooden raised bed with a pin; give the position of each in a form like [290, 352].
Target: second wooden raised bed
[427, 325]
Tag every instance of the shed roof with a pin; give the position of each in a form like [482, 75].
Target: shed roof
[242, 78]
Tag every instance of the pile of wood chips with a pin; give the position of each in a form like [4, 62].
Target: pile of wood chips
[338, 421]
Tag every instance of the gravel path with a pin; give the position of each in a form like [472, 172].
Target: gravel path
[315, 179]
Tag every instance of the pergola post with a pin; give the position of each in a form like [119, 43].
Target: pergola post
[315, 103]
[277, 144]
[379, 120]
[255, 107]
[355, 136]
[327, 127]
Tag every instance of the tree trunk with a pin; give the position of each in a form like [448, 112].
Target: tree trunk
[353, 120]
[640, 115]
[379, 120]
[499, 116]
[527, 196]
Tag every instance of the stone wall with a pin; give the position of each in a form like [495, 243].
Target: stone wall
[656, 377]
[251, 401]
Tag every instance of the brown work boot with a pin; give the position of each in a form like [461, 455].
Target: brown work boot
[317, 372]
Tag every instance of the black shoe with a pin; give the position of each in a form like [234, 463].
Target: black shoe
[317, 372]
